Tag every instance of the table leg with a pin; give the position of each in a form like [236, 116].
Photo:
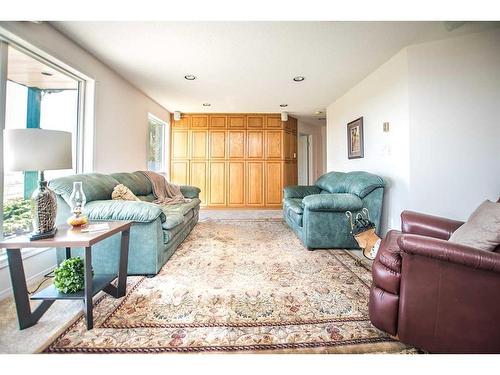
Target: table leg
[68, 252]
[87, 308]
[122, 270]
[25, 317]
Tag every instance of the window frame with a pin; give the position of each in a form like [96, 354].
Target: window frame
[85, 110]
[165, 143]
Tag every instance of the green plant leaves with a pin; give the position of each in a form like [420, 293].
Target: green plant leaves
[70, 276]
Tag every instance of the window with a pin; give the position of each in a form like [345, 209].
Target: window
[37, 96]
[157, 135]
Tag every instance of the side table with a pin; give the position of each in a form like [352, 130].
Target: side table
[68, 238]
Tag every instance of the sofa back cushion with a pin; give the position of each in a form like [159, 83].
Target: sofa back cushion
[137, 182]
[96, 186]
[358, 183]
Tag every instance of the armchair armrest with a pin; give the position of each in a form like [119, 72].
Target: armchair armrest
[190, 191]
[140, 212]
[428, 225]
[450, 252]
[300, 191]
[332, 202]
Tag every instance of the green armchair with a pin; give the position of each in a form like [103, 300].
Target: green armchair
[317, 213]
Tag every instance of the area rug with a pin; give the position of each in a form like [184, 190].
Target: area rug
[238, 286]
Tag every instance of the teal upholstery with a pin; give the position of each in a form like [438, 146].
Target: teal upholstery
[156, 231]
[317, 213]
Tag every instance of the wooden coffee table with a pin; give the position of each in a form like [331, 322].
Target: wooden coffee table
[68, 238]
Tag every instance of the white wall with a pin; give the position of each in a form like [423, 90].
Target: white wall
[381, 97]
[318, 147]
[442, 100]
[120, 133]
[455, 123]
[120, 118]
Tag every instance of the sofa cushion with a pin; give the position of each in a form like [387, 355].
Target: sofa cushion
[136, 181]
[140, 212]
[180, 213]
[96, 186]
[358, 183]
[333, 202]
[482, 230]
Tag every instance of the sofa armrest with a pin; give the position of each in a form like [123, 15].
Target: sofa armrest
[450, 252]
[332, 202]
[140, 212]
[428, 225]
[190, 192]
[300, 191]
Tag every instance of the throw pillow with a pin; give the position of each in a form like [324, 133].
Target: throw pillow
[123, 193]
[482, 230]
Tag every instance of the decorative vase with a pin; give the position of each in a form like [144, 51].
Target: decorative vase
[77, 202]
[44, 211]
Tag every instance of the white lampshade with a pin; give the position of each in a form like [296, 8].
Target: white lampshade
[37, 150]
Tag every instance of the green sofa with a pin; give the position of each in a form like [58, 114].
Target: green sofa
[317, 213]
[156, 231]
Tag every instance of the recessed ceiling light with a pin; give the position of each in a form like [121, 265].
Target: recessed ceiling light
[283, 105]
[206, 104]
[48, 74]
[321, 118]
[318, 113]
[299, 78]
[190, 77]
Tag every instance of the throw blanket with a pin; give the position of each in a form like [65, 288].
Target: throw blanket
[164, 192]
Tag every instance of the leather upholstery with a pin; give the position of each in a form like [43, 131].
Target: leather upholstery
[434, 294]
[428, 225]
[155, 234]
[317, 213]
[332, 202]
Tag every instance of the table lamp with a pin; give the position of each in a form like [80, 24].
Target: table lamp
[39, 150]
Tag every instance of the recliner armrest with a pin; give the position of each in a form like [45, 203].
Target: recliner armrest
[300, 191]
[190, 192]
[450, 252]
[140, 212]
[428, 225]
[332, 202]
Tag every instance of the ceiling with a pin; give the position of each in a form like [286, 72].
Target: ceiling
[249, 66]
[27, 71]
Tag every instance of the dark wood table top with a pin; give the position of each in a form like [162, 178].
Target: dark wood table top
[66, 236]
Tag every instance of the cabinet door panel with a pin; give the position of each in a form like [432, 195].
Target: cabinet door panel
[274, 144]
[255, 183]
[287, 147]
[217, 122]
[293, 147]
[255, 146]
[180, 172]
[217, 182]
[236, 144]
[199, 144]
[217, 144]
[255, 122]
[274, 186]
[199, 121]
[180, 144]
[183, 123]
[199, 174]
[273, 122]
[236, 183]
[236, 122]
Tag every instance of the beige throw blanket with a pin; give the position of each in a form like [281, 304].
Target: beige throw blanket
[164, 192]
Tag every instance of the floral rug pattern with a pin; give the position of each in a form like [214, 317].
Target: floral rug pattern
[238, 285]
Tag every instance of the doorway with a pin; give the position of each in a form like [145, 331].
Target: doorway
[304, 149]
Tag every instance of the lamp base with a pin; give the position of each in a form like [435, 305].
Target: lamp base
[40, 236]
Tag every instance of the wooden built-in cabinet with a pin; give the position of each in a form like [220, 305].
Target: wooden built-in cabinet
[237, 160]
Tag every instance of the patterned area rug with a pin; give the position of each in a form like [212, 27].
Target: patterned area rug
[239, 285]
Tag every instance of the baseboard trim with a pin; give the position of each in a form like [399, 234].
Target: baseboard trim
[29, 281]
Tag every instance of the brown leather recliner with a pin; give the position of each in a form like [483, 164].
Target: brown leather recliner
[433, 294]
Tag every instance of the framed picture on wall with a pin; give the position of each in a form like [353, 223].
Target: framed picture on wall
[355, 139]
